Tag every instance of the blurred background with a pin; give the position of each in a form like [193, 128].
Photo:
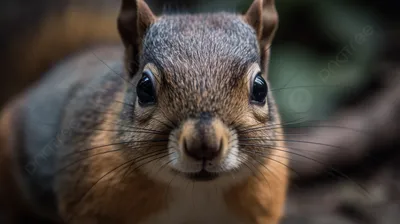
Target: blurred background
[334, 72]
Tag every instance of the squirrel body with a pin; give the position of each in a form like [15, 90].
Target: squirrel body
[169, 135]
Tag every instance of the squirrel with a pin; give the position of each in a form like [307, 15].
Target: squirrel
[176, 125]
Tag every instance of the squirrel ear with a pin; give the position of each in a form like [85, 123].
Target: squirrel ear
[262, 16]
[134, 19]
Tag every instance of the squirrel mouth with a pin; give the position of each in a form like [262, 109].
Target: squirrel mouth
[202, 175]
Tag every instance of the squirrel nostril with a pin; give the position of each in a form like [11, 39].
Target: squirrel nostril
[202, 149]
[192, 150]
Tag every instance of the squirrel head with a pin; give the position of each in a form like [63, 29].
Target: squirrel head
[200, 89]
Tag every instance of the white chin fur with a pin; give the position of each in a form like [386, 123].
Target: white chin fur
[171, 169]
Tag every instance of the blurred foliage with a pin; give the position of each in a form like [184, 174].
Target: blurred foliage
[321, 55]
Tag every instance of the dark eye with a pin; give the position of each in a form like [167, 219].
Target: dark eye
[145, 89]
[259, 90]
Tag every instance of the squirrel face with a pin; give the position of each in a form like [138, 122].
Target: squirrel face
[200, 83]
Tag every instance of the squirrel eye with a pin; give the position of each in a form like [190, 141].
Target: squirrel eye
[145, 89]
[259, 90]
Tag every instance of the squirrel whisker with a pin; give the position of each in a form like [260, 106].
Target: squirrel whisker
[163, 123]
[174, 124]
[256, 159]
[84, 195]
[154, 131]
[169, 185]
[119, 75]
[120, 130]
[312, 126]
[331, 169]
[124, 103]
[124, 165]
[113, 144]
[263, 126]
[95, 147]
[102, 153]
[87, 157]
[333, 126]
[270, 157]
[245, 163]
[165, 164]
[163, 151]
[287, 140]
[311, 86]
[137, 128]
[306, 150]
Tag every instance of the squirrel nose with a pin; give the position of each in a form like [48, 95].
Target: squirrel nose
[204, 138]
[202, 148]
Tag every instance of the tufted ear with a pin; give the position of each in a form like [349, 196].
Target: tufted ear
[133, 21]
[263, 17]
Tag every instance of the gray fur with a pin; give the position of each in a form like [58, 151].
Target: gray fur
[197, 53]
[58, 117]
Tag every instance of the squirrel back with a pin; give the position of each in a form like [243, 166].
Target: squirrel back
[183, 130]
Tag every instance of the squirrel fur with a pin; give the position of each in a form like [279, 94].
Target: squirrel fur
[169, 134]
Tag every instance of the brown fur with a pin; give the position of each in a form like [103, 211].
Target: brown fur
[262, 197]
[110, 194]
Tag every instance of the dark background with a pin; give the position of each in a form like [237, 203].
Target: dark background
[335, 75]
